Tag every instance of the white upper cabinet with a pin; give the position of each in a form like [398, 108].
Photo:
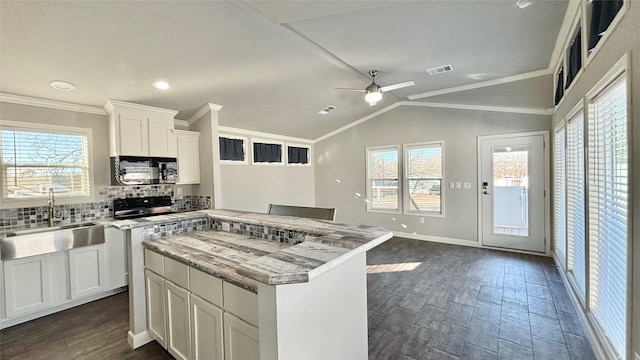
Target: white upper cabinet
[188, 143]
[139, 130]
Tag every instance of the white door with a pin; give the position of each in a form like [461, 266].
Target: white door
[241, 340]
[87, 270]
[178, 321]
[155, 306]
[512, 191]
[27, 284]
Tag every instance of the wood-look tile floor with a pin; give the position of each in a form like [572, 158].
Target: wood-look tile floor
[426, 301]
[436, 301]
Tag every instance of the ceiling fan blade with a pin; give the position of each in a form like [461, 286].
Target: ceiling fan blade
[347, 89]
[397, 86]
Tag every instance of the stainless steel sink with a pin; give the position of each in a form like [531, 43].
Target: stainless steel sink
[23, 243]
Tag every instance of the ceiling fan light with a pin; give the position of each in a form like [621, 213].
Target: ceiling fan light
[372, 94]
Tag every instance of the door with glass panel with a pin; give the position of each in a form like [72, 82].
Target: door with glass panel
[512, 192]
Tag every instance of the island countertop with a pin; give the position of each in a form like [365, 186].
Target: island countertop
[247, 260]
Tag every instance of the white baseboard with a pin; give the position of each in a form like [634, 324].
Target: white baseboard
[139, 339]
[438, 239]
[589, 331]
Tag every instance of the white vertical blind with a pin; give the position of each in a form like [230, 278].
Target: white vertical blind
[576, 201]
[608, 217]
[560, 233]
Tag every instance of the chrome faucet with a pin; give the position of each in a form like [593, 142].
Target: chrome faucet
[52, 209]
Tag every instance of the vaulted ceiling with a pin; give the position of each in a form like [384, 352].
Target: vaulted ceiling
[272, 65]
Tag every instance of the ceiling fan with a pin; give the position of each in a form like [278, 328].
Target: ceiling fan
[373, 92]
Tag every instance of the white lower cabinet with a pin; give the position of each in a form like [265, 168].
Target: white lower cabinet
[178, 329]
[27, 284]
[240, 339]
[87, 270]
[154, 287]
[203, 317]
[206, 330]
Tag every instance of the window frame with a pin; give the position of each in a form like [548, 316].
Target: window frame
[244, 146]
[406, 179]
[368, 179]
[264, 163]
[305, 146]
[61, 198]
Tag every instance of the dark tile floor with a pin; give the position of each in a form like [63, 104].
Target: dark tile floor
[451, 302]
[438, 301]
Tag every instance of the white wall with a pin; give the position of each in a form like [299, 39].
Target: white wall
[341, 160]
[252, 187]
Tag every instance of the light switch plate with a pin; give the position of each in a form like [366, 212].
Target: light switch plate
[458, 185]
[452, 185]
[466, 185]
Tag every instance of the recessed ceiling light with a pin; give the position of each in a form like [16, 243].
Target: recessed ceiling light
[161, 85]
[62, 85]
[524, 3]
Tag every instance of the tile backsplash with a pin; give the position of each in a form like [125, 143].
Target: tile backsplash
[33, 217]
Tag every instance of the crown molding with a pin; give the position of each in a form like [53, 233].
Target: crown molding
[251, 133]
[516, 110]
[109, 106]
[203, 110]
[51, 104]
[178, 122]
[482, 84]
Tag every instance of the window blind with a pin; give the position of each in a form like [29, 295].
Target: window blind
[576, 201]
[35, 160]
[560, 233]
[608, 217]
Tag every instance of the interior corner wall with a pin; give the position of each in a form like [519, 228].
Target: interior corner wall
[624, 39]
[207, 126]
[340, 163]
[252, 187]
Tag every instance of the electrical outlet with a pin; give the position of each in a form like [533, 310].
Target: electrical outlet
[421, 220]
[179, 190]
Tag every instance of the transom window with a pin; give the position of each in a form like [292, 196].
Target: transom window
[36, 160]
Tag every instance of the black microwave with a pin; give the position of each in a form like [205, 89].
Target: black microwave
[137, 170]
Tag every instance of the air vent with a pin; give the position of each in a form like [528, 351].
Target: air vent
[327, 110]
[440, 69]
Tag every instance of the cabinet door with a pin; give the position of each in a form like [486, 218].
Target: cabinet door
[206, 330]
[116, 257]
[240, 339]
[156, 321]
[178, 329]
[188, 158]
[162, 141]
[87, 270]
[27, 284]
[133, 135]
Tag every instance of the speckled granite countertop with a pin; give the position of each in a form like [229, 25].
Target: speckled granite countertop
[248, 260]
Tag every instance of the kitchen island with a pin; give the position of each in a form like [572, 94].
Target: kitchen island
[299, 284]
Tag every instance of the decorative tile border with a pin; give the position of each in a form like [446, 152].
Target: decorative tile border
[262, 232]
[34, 217]
[175, 227]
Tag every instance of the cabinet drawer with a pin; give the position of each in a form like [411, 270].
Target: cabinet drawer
[206, 286]
[240, 302]
[176, 272]
[154, 262]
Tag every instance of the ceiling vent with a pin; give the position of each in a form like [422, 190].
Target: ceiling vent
[440, 69]
[327, 110]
